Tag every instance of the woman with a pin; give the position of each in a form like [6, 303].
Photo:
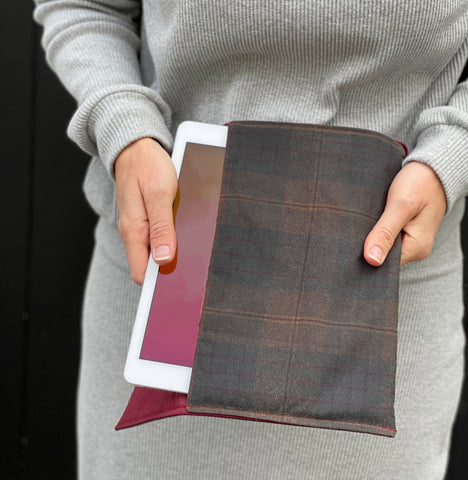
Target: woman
[139, 68]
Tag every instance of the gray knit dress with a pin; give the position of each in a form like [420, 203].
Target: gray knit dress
[139, 68]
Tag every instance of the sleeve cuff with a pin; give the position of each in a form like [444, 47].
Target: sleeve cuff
[105, 127]
[445, 149]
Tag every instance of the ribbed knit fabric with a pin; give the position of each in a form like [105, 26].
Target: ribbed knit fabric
[392, 67]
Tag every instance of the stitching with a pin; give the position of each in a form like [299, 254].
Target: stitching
[285, 417]
[324, 129]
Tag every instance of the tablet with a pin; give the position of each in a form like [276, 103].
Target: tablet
[164, 336]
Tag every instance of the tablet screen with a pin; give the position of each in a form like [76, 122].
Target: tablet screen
[172, 328]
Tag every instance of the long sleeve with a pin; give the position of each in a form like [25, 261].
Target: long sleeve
[442, 140]
[93, 46]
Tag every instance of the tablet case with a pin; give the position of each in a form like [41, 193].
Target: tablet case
[296, 327]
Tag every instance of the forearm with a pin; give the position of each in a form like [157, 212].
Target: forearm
[93, 47]
[443, 138]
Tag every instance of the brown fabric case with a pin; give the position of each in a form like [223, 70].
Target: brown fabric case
[296, 327]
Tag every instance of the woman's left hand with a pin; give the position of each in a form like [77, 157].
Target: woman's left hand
[416, 204]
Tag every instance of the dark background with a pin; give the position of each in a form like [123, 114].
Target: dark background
[45, 243]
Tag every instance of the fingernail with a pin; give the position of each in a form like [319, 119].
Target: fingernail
[161, 253]
[376, 254]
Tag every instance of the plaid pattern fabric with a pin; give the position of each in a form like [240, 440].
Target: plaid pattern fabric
[296, 327]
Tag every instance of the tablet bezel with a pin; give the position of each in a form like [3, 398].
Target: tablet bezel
[149, 373]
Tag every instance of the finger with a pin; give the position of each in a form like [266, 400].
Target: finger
[382, 237]
[418, 237]
[134, 230]
[137, 250]
[146, 184]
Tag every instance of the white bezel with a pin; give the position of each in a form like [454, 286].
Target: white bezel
[146, 372]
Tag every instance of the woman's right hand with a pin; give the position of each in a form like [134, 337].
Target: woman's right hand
[146, 183]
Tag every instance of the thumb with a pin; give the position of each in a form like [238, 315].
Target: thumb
[161, 229]
[382, 237]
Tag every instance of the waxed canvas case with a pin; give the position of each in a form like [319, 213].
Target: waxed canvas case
[296, 327]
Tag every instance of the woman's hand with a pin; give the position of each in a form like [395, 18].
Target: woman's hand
[146, 183]
[416, 204]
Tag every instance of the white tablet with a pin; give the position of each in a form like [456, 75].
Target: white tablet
[164, 336]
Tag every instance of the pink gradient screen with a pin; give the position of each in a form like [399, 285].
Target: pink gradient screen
[172, 328]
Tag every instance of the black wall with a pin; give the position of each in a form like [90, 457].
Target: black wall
[45, 245]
